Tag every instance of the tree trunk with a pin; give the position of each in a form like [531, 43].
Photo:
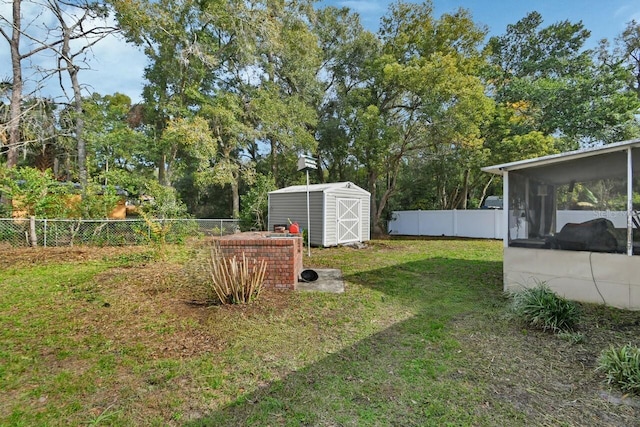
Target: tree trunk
[235, 194]
[465, 189]
[274, 159]
[16, 90]
[67, 56]
[484, 190]
[378, 230]
[375, 213]
[162, 170]
[80, 142]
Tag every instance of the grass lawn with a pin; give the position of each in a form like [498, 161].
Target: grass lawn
[422, 336]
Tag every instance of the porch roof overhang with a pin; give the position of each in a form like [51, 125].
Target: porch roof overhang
[606, 161]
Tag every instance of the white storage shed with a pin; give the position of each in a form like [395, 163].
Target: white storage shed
[339, 212]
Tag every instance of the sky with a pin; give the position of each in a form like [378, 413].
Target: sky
[118, 67]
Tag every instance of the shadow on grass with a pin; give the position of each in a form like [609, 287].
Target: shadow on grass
[403, 375]
[438, 277]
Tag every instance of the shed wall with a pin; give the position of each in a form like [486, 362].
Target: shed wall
[293, 206]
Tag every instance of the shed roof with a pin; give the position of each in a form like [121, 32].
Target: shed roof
[606, 161]
[327, 187]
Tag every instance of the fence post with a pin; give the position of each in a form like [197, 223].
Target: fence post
[33, 238]
[44, 238]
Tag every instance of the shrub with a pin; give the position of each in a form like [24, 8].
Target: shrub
[234, 281]
[255, 204]
[542, 308]
[622, 367]
[33, 192]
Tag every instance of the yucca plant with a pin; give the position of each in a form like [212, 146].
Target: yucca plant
[234, 281]
[622, 367]
[542, 308]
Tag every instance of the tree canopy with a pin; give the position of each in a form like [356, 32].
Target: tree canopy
[236, 90]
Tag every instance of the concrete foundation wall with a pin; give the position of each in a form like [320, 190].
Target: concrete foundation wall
[612, 279]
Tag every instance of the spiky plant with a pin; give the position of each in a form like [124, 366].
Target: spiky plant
[232, 280]
[622, 367]
[542, 308]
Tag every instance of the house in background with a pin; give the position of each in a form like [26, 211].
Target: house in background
[594, 260]
[339, 212]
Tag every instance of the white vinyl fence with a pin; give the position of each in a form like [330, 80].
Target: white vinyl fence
[481, 223]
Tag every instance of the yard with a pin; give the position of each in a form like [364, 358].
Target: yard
[422, 336]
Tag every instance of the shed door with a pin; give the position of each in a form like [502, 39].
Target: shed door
[348, 220]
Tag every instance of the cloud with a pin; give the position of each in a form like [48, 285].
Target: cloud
[116, 66]
[628, 12]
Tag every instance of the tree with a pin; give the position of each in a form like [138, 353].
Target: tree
[57, 40]
[117, 151]
[347, 49]
[75, 21]
[629, 46]
[255, 204]
[557, 85]
[13, 37]
[180, 39]
[421, 96]
[229, 124]
[285, 62]
[188, 145]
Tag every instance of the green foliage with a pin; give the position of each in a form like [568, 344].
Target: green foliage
[410, 113]
[559, 87]
[98, 201]
[164, 202]
[114, 143]
[621, 366]
[255, 204]
[542, 308]
[34, 192]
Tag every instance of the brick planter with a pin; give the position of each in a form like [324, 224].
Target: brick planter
[283, 255]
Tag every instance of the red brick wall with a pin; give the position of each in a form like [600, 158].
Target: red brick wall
[283, 257]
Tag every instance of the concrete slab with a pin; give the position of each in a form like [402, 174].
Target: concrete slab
[329, 280]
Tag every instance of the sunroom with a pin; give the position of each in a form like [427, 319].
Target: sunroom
[572, 223]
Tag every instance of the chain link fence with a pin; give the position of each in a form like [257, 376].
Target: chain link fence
[70, 232]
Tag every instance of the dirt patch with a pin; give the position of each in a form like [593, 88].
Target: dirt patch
[146, 304]
[16, 257]
[552, 379]
[154, 307]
